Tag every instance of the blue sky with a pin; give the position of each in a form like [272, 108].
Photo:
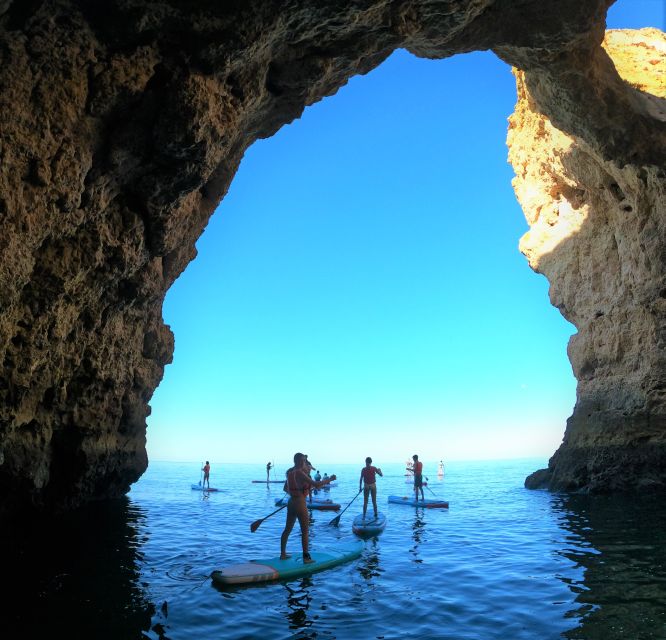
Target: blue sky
[360, 292]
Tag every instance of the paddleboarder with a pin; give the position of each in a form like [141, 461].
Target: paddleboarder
[206, 474]
[269, 466]
[369, 482]
[298, 485]
[417, 467]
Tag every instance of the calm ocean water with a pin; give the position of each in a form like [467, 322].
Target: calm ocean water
[501, 562]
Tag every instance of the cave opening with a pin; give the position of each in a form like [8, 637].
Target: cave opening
[362, 281]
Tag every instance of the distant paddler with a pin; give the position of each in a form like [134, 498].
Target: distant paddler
[206, 474]
[369, 481]
[417, 468]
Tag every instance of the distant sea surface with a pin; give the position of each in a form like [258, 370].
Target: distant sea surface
[501, 562]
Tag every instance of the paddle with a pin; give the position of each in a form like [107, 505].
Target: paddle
[257, 523]
[200, 479]
[429, 489]
[336, 520]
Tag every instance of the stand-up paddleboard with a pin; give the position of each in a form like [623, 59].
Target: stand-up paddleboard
[369, 526]
[267, 570]
[198, 487]
[315, 503]
[268, 481]
[428, 503]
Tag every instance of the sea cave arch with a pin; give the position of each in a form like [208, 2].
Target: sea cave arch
[361, 278]
[126, 125]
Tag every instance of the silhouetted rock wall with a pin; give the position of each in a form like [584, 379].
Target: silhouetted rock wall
[123, 123]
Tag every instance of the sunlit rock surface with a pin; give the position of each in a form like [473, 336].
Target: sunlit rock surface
[124, 122]
[597, 232]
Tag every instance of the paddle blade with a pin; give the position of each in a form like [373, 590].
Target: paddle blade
[336, 521]
[255, 525]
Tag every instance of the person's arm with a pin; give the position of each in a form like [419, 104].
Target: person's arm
[360, 482]
[379, 471]
[307, 480]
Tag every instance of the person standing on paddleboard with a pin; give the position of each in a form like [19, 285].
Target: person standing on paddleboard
[269, 466]
[417, 467]
[298, 485]
[206, 478]
[368, 474]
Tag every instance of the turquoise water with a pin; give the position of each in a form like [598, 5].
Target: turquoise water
[501, 562]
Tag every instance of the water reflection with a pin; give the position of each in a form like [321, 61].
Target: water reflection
[369, 565]
[620, 546]
[76, 576]
[418, 530]
[298, 605]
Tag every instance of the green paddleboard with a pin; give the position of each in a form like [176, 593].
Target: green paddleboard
[270, 569]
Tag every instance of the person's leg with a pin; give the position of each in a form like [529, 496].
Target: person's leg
[304, 521]
[373, 493]
[289, 525]
[365, 500]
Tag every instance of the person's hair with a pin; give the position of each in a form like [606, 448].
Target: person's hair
[415, 457]
[368, 460]
[298, 459]
[207, 462]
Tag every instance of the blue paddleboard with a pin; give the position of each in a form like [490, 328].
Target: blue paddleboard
[198, 487]
[269, 569]
[369, 526]
[428, 503]
[315, 503]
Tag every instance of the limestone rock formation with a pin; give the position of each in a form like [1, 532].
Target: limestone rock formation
[597, 231]
[124, 121]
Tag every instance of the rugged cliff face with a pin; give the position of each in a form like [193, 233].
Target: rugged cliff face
[597, 231]
[123, 124]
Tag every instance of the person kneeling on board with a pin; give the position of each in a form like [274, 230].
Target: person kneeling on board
[298, 485]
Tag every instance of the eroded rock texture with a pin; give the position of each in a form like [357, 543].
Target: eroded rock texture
[124, 121]
[597, 232]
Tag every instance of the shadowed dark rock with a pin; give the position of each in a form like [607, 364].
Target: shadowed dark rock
[123, 124]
